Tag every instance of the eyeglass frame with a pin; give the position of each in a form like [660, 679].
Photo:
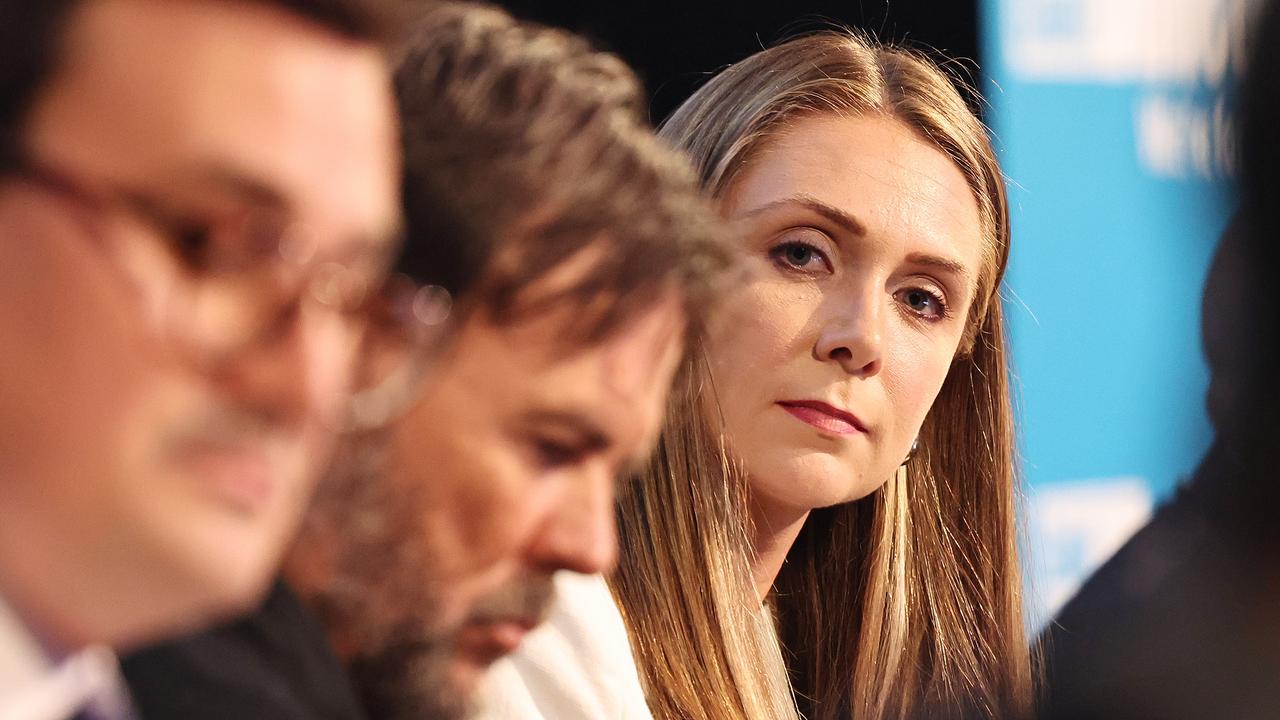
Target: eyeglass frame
[423, 309]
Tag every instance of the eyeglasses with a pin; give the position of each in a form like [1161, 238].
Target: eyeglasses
[242, 278]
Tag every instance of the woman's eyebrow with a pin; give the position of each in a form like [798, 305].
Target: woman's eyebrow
[944, 264]
[845, 220]
[852, 225]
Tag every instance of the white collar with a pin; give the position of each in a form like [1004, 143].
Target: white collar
[34, 687]
[578, 664]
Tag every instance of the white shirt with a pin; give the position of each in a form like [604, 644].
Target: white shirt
[576, 666]
[33, 687]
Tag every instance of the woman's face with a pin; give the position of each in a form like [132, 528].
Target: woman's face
[864, 247]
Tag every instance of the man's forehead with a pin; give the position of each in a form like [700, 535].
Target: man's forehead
[613, 388]
[616, 386]
[556, 333]
[254, 91]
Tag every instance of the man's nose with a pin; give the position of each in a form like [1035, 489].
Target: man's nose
[296, 369]
[579, 534]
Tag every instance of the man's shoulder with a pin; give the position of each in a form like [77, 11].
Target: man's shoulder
[1170, 627]
[275, 664]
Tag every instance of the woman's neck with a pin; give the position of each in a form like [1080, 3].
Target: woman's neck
[775, 530]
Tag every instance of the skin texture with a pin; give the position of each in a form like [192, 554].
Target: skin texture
[859, 324]
[502, 474]
[155, 465]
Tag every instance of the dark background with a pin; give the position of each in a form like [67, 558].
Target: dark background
[675, 45]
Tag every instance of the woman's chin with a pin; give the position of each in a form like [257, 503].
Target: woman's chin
[809, 482]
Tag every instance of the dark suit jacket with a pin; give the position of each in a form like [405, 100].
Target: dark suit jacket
[1184, 622]
[273, 665]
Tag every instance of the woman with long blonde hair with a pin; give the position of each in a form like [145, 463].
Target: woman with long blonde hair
[828, 527]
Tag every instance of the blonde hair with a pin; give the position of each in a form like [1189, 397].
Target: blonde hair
[904, 604]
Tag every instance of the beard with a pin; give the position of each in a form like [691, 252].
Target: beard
[410, 677]
[384, 599]
[410, 681]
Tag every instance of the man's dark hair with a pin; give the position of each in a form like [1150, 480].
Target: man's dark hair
[31, 32]
[523, 147]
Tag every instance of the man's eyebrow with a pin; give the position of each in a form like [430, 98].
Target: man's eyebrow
[591, 435]
[845, 220]
[241, 186]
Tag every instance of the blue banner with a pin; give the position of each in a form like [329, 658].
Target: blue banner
[1112, 121]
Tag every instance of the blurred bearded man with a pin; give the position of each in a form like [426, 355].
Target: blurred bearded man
[580, 252]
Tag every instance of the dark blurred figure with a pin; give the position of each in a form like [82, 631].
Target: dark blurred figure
[1184, 622]
[580, 251]
[197, 200]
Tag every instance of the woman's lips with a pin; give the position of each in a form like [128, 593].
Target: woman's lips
[823, 416]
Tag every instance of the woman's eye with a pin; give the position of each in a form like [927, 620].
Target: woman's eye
[923, 303]
[797, 255]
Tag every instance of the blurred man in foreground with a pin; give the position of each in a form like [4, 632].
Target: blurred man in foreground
[196, 199]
